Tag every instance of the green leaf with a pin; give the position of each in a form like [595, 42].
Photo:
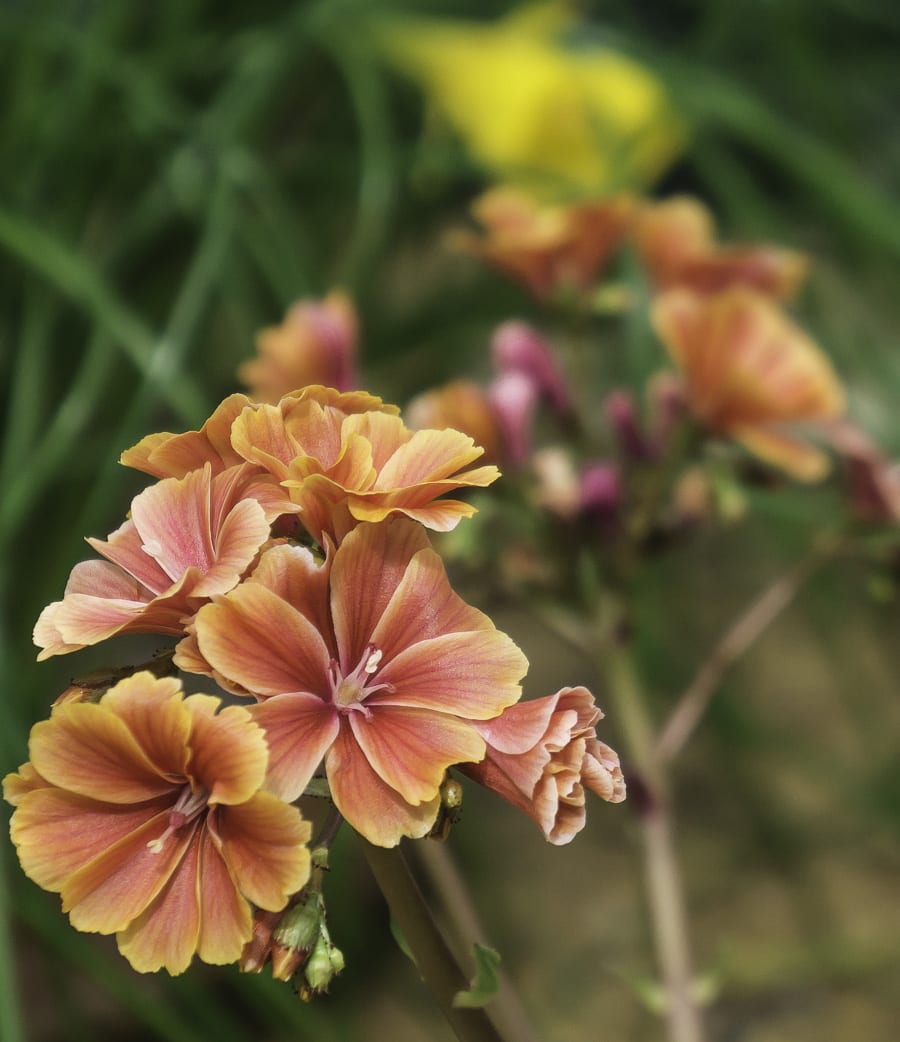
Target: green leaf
[486, 982]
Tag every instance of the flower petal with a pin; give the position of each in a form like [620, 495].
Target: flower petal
[429, 455]
[228, 750]
[226, 922]
[299, 729]
[373, 808]
[260, 641]
[801, 461]
[473, 675]
[411, 749]
[263, 842]
[153, 711]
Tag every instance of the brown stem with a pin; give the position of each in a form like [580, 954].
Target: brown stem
[439, 969]
[737, 640]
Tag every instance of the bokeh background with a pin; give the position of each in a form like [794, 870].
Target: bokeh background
[173, 176]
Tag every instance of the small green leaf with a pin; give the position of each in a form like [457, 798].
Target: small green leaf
[485, 983]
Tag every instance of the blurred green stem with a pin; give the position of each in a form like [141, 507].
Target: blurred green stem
[646, 776]
[437, 965]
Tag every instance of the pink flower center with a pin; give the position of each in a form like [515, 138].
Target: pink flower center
[187, 808]
[349, 692]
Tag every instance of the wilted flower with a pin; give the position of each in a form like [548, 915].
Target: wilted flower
[315, 344]
[549, 249]
[370, 661]
[348, 457]
[534, 111]
[676, 239]
[144, 812]
[186, 540]
[749, 371]
[541, 756]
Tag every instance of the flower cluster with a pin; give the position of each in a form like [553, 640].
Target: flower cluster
[284, 545]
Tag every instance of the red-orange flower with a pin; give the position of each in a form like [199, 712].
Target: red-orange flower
[749, 371]
[547, 248]
[370, 661]
[347, 458]
[676, 239]
[187, 539]
[145, 812]
[315, 344]
[542, 755]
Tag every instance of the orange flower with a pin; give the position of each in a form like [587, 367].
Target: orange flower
[315, 344]
[547, 248]
[542, 755]
[144, 812]
[187, 539]
[749, 371]
[676, 240]
[348, 457]
[462, 405]
[370, 661]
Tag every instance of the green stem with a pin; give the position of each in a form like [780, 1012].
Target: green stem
[439, 969]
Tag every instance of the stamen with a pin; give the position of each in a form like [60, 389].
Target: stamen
[188, 806]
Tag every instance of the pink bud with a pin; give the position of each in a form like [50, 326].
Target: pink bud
[513, 396]
[518, 348]
[601, 490]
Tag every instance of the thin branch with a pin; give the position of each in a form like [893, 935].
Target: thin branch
[737, 640]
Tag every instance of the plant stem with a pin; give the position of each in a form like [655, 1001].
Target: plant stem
[647, 775]
[447, 881]
[736, 641]
[439, 969]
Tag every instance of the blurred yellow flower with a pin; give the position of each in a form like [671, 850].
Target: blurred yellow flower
[532, 110]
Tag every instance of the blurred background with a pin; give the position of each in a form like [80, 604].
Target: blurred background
[175, 175]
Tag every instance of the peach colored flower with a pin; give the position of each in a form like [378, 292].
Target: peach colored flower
[347, 458]
[370, 661]
[542, 755]
[547, 248]
[144, 812]
[187, 539]
[462, 405]
[315, 344]
[749, 371]
[676, 240]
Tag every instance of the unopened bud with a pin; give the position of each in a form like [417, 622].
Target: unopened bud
[518, 348]
[623, 417]
[513, 397]
[324, 964]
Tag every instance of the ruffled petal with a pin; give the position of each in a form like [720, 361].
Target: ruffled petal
[238, 541]
[293, 574]
[299, 729]
[153, 711]
[226, 921]
[428, 456]
[411, 749]
[228, 750]
[263, 842]
[372, 807]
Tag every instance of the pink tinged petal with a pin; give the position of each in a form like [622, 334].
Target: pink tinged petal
[238, 541]
[125, 548]
[372, 807]
[602, 773]
[473, 675]
[441, 516]
[153, 711]
[57, 832]
[293, 574]
[428, 456]
[114, 888]
[260, 436]
[519, 727]
[253, 637]
[105, 579]
[87, 749]
[382, 433]
[424, 605]
[263, 842]
[226, 920]
[368, 567]
[166, 933]
[512, 777]
[299, 729]
[228, 750]
[411, 749]
[173, 520]
[560, 819]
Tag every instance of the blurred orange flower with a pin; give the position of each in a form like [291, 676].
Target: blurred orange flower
[549, 249]
[315, 344]
[676, 240]
[749, 371]
[347, 458]
[462, 405]
[186, 540]
[541, 756]
[370, 661]
[144, 812]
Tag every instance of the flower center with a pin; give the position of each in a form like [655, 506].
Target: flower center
[187, 808]
[349, 692]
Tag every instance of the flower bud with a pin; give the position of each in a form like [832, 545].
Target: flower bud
[513, 397]
[324, 964]
[518, 348]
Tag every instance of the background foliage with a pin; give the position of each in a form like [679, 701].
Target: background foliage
[173, 176]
